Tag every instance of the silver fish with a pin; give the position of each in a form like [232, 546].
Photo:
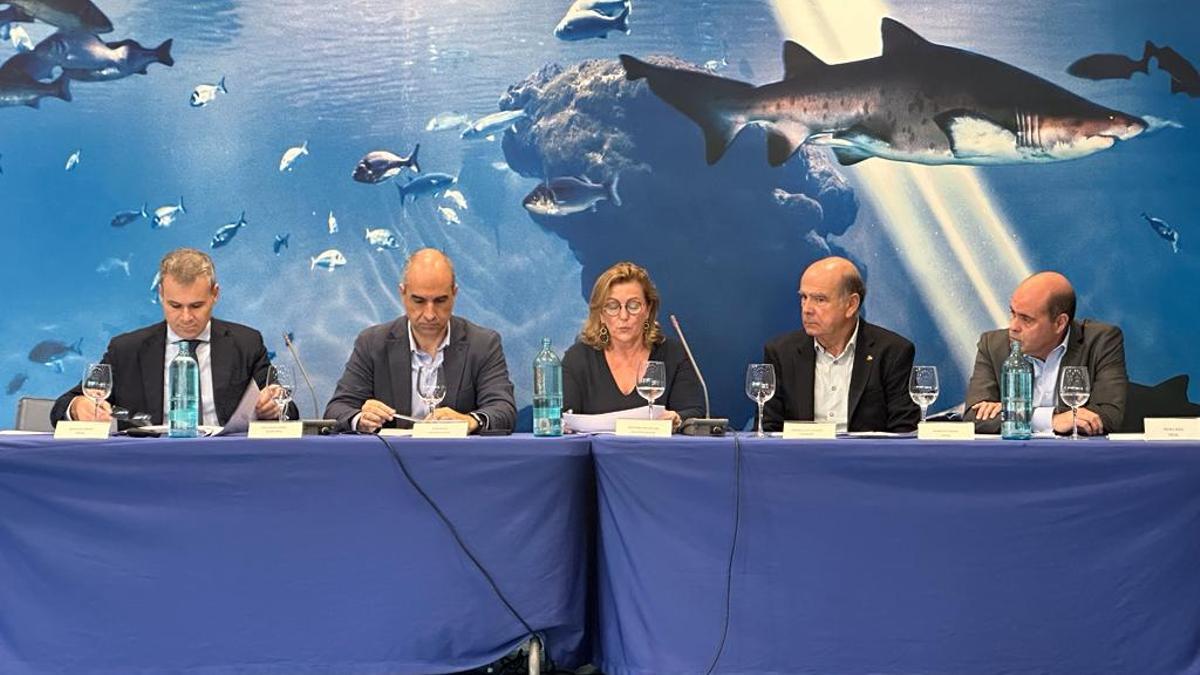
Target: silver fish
[1163, 230]
[73, 160]
[430, 183]
[330, 259]
[590, 24]
[127, 58]
[331, 223]
[291, 155]
[457, 197]
[489, 125]
[164, 216]
[611, 8]
[71, 14]
[383, 239]
[204, 94]
[567, 195]
[380, 165]
[449, 215]
[446, 121]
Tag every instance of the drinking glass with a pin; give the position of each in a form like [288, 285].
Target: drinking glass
[923, 387]
[281, 377]
[1074, 388]
[760, 387]
[652, 383]
[431, 385]
[97, 383]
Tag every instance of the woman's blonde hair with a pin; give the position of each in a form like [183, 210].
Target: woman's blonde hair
[593, 332]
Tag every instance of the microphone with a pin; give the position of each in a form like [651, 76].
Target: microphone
[699, 426]
[287, 340]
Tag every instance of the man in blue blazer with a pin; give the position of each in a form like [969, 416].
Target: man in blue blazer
[381, 374]
[840, 368]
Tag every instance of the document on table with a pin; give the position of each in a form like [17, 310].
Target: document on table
[607, 422]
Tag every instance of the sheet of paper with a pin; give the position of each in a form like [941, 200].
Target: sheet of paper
[243, 415]
[589, 424]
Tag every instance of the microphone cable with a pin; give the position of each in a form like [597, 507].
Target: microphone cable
[462, 545]
[737, 520]
[287, 340]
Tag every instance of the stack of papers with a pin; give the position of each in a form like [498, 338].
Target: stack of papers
[607, 422]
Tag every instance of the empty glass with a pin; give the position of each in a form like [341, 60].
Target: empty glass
[1074, 388]
[97, 383]
[760, 387]
[652, 383]
[431, 385]
[923, 387]
[280, 376]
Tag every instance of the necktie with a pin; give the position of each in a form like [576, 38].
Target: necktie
[194, 349]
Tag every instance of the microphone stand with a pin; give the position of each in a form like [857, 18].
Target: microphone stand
[699, 426]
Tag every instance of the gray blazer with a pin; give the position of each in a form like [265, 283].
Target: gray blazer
[380, 367]
[1099, 346]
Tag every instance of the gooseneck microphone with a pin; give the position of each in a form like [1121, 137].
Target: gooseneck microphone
[699, 426]
[287, 340]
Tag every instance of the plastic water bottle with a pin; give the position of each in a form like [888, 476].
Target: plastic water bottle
[1016, 395]
[183, 407]
[547, 392]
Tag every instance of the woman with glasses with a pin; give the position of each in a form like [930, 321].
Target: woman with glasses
[621, 333]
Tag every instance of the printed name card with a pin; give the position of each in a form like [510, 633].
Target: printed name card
[396, 433]
[946, 431]
[266, 429]
[655, 428]
[440, 429]
[82, 430]
[1172, 429]
[810, 430]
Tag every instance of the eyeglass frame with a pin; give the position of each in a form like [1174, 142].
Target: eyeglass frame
[612, 307]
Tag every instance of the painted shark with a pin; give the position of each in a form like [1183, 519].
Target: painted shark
[917, 102]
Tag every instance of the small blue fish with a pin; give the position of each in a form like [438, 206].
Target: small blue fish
[15, 384]
[281, 242]
[489, 125]
[590, 24]
[51, 353]
[123, 218]
[204, 94]
[227, 232]
[73, 160]
[430, 183]
[164, 216]
[330, 259]
[271, 355]
[380, 165]
[1164, 230]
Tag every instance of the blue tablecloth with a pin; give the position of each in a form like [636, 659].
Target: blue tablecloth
[898, 556]
[230, 555]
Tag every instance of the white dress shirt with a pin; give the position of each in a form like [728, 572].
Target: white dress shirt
[419, 359]
[831, 383]
[203, 355]
[1045, 383]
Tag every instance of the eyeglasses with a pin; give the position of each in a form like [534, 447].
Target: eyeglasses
[613, 307]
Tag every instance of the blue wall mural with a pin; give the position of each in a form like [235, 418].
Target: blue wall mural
[285, 138]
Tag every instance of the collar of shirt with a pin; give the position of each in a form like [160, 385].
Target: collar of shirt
[1045, 373]
[416, 350]
[420, 358]
[204, 336]
[848, 352]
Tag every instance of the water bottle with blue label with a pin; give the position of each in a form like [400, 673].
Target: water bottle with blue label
[183, 405]
[1016, 395]
[547, 392]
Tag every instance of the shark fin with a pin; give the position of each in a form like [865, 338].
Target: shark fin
[693, 94]
[971, 134]
[898, 37]
[849, 156]
[797, 60]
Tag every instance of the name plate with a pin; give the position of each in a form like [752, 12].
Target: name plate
[824, 431]
[82, 430]
[396, 433]
[654, 428]
[261, 429]
[946, 431]
[1172, 429]
[440, 429]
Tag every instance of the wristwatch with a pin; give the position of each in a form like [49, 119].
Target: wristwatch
[481, 419]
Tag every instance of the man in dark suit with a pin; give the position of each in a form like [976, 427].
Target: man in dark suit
[229, 354]
[840, 368]
[381, 375]
[1042, 311]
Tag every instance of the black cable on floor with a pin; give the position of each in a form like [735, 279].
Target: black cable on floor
[737, 520]
[463, 546]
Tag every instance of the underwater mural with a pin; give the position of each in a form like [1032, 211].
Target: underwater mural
[949, 149]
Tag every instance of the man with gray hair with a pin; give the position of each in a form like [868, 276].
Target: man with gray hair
[229, 354]
[840, 368]
[381, 374]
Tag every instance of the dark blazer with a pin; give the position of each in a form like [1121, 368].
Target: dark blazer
[380, 367]
[136, 357]
[1099, 346]
[878, 396]
[589, 387]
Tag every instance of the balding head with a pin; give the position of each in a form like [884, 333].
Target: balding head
[428, 292]
[844, 272]
[831, 295]
[428, 261]
[1042, 307]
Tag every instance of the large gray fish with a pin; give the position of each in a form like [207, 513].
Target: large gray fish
[427, 184]
[590, 24]
[489, 125]
[917, 102]
[15, 384]
[18, 88]
[70, 14]
[128, 58]
[566, 195]
[52, 352]
[380, 165]
[227, 232]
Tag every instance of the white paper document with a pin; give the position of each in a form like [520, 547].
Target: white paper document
[607, 422]
[239, 421]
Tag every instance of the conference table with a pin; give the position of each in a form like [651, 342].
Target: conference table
[680, 555]
[226, 555]
[897, 556]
